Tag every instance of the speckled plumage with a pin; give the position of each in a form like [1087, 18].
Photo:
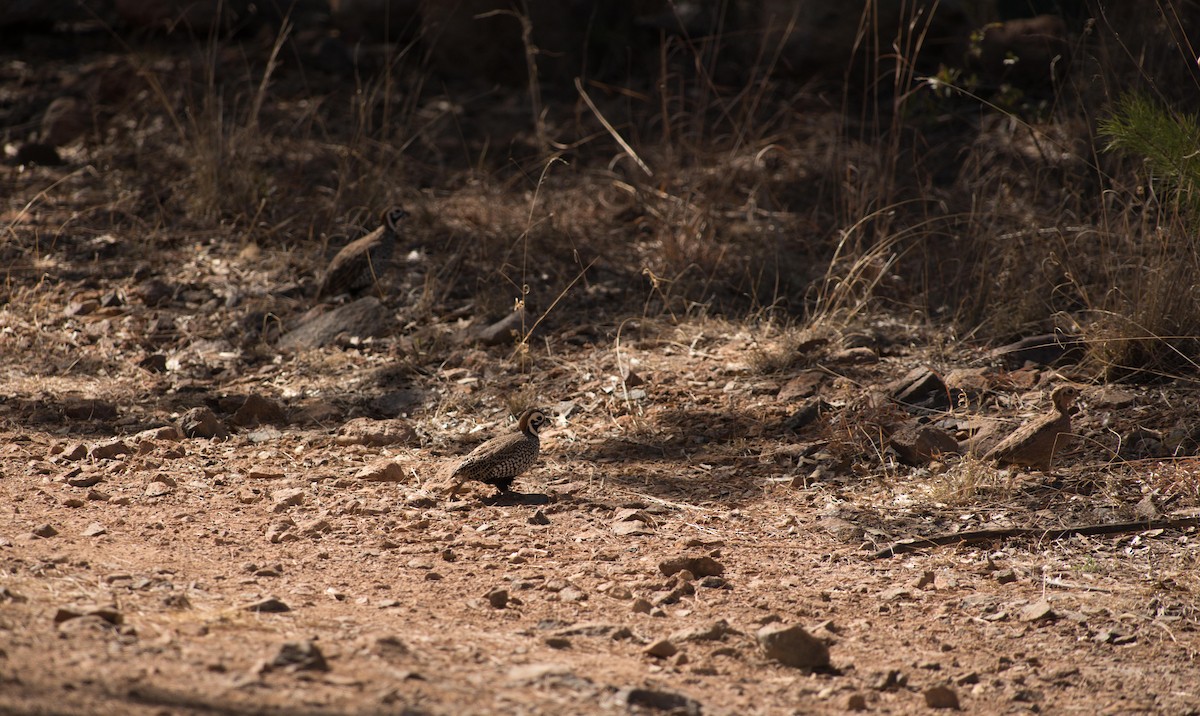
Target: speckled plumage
[500, 460]
[360, 263]
[1034, 444]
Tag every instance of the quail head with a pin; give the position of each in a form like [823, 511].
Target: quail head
[500, 460]
[360, 263]
[1034, 444]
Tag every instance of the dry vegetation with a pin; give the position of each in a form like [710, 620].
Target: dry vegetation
[765, 253]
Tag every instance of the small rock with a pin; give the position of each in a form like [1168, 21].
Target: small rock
[257, 410]
[45, 531]
[110, 449]
[202, 423]
[85, 480]
[856, 702]
[73, 452]
[641, 606]
[377, 433]
[1038, 611]
[1005, 576]
[287, 498]
[381, 471]
[315, 526]
[922, 388]
[302, 655]
[628, 528]
[793, 646]
[539, 518]
[917, 444]
[94, 529]
[558, 642]
[270, 605]
[713, 632]
[280, 531]
[663, 649]
[89, 409]
[659, 701]
[498, 598]
[941, 697]
[390, 647]
[698, 566]
[572, 594]
[157, 488]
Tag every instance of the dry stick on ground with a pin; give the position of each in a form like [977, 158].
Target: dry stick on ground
[974, 536]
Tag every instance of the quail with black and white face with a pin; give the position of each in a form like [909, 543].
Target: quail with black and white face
[360, 263]
[1034, 444]
[500, 460]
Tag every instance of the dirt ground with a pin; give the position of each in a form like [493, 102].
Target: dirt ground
[309, 563]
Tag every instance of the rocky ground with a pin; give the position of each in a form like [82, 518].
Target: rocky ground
[218, 498]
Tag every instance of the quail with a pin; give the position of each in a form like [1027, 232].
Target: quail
[500, 460]
[360, 263]
[1033, 444]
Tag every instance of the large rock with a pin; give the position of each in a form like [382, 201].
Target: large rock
[364, 318]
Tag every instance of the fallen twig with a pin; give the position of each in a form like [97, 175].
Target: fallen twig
[974, 536]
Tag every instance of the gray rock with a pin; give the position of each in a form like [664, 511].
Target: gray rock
[662, 649]
[793, 646]
[364, 318]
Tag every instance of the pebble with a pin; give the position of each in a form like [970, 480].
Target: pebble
[662, 649]
[793, 646]
[558, 642]
[941, 697]
[539, 518]
[381, 471]
[109, 449]
[202, 423]
[856, 702]
[641, 606]
[713, 632]
[270, 605]
[1038, 611]
[45, 531]
[157, 488]
[498, 598]
[257, 410]
[280, 531]
[376, 433]
[95, 529]
[300, 655]
[659, 700]
[699, 566]
[284, 499]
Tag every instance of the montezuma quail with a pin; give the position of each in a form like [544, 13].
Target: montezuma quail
[500, 460]
[1033, 444]
[359, 265]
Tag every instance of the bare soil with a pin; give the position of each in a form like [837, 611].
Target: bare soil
[136, 564]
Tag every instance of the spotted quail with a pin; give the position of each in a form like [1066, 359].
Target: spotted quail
[499, 460]
[360, 263]
[1034, 443]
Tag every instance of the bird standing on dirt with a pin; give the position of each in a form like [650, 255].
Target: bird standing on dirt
[1033, 445]
[500, 460]
[360, 263]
